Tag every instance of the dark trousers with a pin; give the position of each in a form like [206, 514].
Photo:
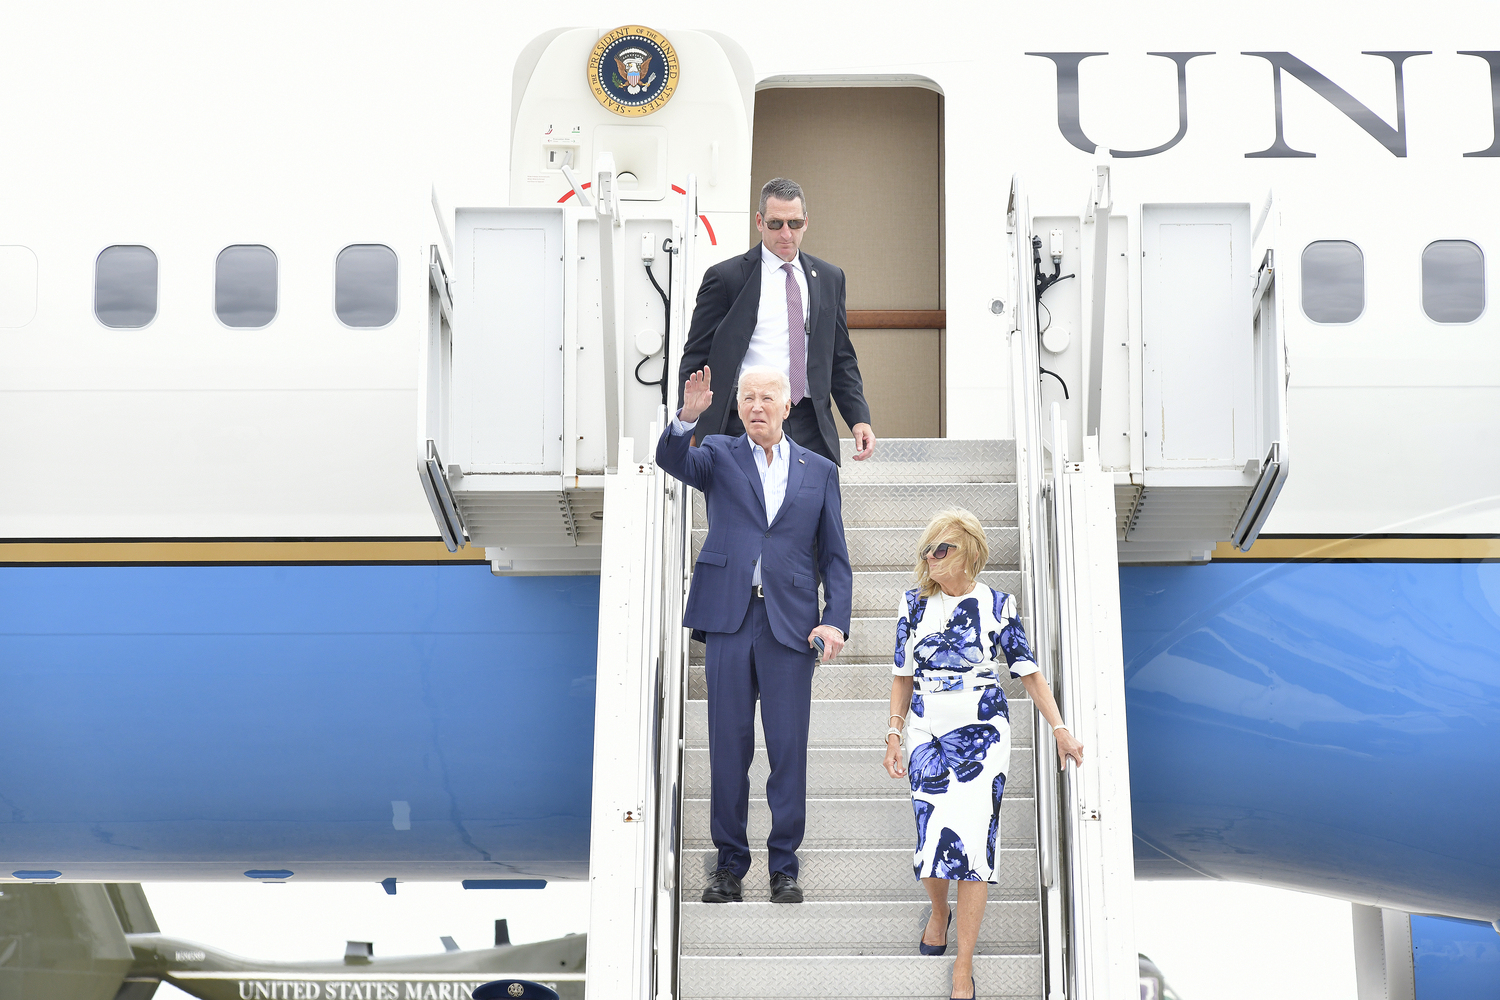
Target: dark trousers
[740, 666]
[801, 426]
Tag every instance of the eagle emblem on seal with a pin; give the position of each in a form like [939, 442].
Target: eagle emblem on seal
[632, 64]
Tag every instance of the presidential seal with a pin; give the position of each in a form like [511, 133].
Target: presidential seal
[633, 71]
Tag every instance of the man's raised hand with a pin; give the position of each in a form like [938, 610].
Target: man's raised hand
[696, 395]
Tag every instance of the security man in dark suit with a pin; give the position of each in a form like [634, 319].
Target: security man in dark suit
[784, 309]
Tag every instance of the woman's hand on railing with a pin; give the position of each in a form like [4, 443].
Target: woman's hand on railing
[894, 762]
[1067, 747]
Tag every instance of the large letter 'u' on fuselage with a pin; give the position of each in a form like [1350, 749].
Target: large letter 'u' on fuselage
[1067, 99]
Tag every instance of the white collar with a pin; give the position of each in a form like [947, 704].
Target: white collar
[781, 448]
[769, 259]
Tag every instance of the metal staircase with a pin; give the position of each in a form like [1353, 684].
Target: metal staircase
[1059, 923]
[856, 935]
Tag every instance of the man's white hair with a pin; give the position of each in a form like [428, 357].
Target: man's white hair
[783, 384]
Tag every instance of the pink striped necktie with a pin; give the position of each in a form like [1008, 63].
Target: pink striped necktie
[796, 336]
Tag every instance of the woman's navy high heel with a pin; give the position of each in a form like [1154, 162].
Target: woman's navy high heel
[933, 949]
[973, 991]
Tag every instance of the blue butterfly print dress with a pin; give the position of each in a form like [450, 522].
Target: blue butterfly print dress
[958, 729]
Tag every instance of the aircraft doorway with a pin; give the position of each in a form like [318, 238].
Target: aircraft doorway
[871, 161]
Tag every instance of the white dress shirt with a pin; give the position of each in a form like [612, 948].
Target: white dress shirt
[770, 343]
[772, 475]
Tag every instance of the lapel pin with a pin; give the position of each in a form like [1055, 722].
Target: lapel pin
[802, 460]
[815, 274]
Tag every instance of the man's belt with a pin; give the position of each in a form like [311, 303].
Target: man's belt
[756, 590]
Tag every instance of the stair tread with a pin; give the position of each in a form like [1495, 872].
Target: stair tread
[842, 928]
[863, 977]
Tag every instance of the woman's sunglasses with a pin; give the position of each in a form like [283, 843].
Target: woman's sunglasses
[939, 551]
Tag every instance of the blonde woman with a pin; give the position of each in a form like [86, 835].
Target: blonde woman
[951, 633]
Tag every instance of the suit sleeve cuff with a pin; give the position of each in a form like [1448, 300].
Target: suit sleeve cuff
[679, 427]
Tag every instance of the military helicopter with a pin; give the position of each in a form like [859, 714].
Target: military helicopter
[100, 941]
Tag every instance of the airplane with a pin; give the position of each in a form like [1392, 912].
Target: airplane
[82, 940]
[242, 640]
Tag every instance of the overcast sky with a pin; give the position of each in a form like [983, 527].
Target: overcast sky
[1212, 940]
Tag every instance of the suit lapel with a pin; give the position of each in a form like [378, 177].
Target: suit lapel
[746, 461]
[795, 471]
[814, 294]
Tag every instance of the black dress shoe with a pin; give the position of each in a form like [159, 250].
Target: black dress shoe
[723, 887]
[784, 889]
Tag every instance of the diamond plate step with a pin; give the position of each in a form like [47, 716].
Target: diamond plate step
[852, 977]
[879, 592]
[871, 640]
[836, 724]
[857, 823]
[828, 928]
[845, 680]
[895, 548]
[859, 874]
[932, 460]
[847, 773]
[910, 504]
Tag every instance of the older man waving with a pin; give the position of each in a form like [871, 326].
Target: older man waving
[775, 528]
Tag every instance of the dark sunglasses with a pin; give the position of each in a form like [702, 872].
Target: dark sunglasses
[939, 551]
[777, 223]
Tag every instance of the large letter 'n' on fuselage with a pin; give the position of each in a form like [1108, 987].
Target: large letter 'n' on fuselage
[1067, 99]
[1393, 139]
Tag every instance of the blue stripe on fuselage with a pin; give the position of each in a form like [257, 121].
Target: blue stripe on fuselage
[274, 713]
[1326, 726]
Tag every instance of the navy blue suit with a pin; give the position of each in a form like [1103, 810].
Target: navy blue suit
[758, 647]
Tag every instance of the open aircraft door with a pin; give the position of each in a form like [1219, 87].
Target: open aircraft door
[556, 322]
[1271, 376]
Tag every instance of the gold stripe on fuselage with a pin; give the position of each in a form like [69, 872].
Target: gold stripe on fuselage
[182, 551]
[82, 552]
[1369, 548]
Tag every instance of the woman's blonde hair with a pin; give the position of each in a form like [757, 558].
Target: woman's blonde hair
[973, 548]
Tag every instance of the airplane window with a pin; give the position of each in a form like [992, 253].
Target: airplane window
[245, 286]
[1452, 281]
[125, 287]
[1333, 281]
[364, 285]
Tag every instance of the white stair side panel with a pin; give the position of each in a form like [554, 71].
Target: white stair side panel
[1105, 824]
[622, 831]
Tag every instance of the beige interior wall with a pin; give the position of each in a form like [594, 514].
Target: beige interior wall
[870, 160]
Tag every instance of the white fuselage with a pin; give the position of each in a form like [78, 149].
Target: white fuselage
[308, 129]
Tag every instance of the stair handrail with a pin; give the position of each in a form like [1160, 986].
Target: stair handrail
[677, 528]
[1039, 593]
[676, 540]
[1074, 922]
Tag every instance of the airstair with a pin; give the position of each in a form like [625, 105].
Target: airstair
[1059, 923]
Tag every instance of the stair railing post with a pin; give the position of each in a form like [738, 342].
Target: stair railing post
[675, 515]
[1081, 964]
[1037, 526]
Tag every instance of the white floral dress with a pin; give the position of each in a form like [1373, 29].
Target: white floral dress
[958, 729]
